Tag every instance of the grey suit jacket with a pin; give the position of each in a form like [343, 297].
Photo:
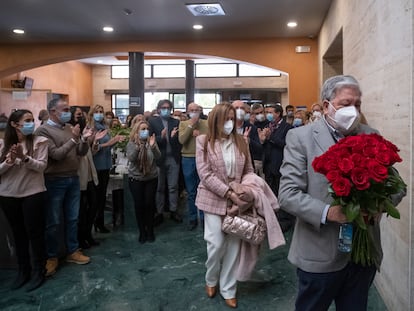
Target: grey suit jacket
[304, 193]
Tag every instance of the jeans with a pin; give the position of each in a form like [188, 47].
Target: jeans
[191, 180]
[63, 194]
[27, 221]
[168, 174]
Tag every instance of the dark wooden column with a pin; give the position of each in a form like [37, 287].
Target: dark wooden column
[189, 81]
[136, 83]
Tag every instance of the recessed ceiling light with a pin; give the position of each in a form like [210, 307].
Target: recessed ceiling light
[99, 61]
[198, 27]
[292, 24]
[108, 29]
[18, 31]
[205, 9]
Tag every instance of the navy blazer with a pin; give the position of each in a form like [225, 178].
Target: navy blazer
[256, 148]
[273, 149]
[156, 126]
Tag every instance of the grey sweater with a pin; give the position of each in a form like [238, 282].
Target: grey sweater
[133, 169]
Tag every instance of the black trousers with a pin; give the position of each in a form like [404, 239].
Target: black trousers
[26, 217]
[143, 193]
[347, 287]
[87, 211]
[286, 220]
[103, 177]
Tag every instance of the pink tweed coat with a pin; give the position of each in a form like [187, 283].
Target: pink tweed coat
[213, 176]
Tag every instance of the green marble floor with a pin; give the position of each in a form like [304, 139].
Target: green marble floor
[165, 275]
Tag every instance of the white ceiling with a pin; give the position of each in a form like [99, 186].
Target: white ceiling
[83, 20]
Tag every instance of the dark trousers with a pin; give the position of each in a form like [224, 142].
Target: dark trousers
[103, 177]
[286, 220]
[143, 193]
[87, 212]
[347, 287]
[26, 217]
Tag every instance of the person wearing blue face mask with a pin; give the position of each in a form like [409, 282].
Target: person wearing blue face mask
[23, 158]
[102, 158]
[142, 152]
[273, 139]
[66, 144]
[165, 128]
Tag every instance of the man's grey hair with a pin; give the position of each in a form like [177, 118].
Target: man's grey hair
[336, 83]
[53, 103]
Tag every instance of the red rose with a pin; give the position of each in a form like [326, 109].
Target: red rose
[370, 151]
[341, 186]
[383, 158]
[346, 165]
[333, 175]
[377, 171]
[360, 178]
[358, 159]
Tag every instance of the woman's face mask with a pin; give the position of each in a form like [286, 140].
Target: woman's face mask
[143, 134]
[27, 128]
[228, 127]
[98, 117]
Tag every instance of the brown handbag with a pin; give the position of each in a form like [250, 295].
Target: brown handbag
[248, 226]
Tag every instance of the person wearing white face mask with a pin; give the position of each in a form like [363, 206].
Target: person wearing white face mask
[304, 193]
[249, 132]
[221, 156]
[188, 131]
[142, 152]
[23, 158]
[257, 111]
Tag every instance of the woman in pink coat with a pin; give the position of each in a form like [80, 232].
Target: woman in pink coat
[222, 156]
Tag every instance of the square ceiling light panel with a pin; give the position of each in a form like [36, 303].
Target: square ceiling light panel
[206, 9]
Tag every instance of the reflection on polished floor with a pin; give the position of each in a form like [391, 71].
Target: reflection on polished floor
[165, 275]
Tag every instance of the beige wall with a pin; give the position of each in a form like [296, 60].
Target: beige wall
[71, 78]
[377, 50]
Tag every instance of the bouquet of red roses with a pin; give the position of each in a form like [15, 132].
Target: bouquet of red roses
[362, 180]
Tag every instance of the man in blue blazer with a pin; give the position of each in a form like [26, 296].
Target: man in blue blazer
[324, 273]
[273, 137]
[165, 128]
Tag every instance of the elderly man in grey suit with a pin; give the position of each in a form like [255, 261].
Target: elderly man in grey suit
[324, 273]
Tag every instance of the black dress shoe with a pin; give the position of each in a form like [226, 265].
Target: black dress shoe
[192, 225]
[36, 281]
[84, 244]
[92, 242]
[101, 229]
[22, 278]
[176, 217]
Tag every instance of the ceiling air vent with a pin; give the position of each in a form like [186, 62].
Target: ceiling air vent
[206, 9]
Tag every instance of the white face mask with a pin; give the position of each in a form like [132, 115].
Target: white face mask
[240, 114]
[260, 117]
[345, 119]
[228, 127]
[316, 114]
[193, 114]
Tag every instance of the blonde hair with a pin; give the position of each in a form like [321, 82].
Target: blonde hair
[91, 121]
[216, 119]
[135, 129]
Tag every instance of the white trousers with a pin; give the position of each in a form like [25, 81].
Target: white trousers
[222, 256]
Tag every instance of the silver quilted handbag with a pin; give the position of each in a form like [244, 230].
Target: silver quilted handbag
[248, 226]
